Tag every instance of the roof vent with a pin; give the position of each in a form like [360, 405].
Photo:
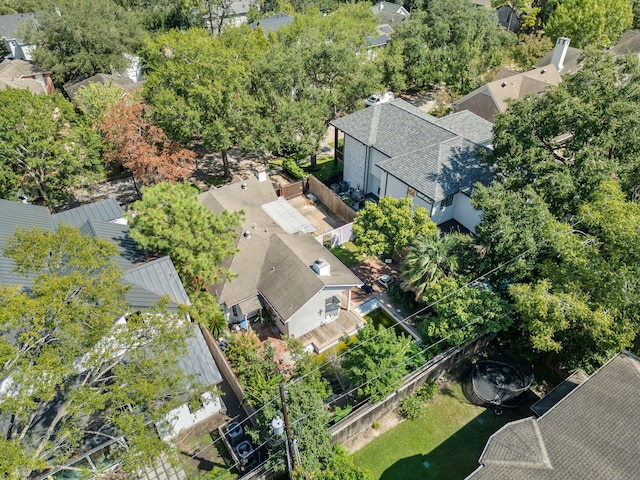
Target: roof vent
[243, 186]
[261, 173]
[543, 71]
[247, 234]
[321, 267]
[504, 84]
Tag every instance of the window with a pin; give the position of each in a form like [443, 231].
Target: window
[234, 310]
[448, 201]
[331, 307]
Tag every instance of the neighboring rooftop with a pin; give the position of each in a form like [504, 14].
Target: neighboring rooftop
[10, 24]
[15, 73]
[491, 98]
[271, 248]
[591, 433]
[389, 13]
[102, 78]
[545, 404]
[150, 281]
[629, 43]
[272, 23]
[436, 156]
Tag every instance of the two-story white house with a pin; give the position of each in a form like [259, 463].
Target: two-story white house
[396, 149]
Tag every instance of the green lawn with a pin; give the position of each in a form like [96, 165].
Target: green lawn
[449, 436]
[324, 170]
[347, 253]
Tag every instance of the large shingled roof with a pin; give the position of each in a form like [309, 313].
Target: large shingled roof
[434, 156]
[591, 433]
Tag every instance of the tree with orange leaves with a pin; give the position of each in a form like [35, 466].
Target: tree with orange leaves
[142, 147]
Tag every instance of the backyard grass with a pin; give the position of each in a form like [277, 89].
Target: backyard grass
[445, 443]
[347, 253]
[325, 170]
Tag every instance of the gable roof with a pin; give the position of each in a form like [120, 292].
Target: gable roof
[389, 13]
[491, 98]
[149, 281]
[275, 260]
[591, 433]
[435, 156]
[102, 78]
[272, 23]
[16, 73]
[10, 24]
[628, 43]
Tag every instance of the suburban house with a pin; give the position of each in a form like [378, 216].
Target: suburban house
[592, 432]
[490, 99]
[150, 281]
[127, 85]
[279, 267]
[388, 15]
[10, 35]
[396, 149]
[272, 23]
[234, 13]
[24, 75]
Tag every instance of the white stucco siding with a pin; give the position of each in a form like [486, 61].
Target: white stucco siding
[312, 314]
[355, 155]
[182, 417]
[464, 213]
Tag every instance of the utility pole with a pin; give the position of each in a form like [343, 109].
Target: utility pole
[287, 431]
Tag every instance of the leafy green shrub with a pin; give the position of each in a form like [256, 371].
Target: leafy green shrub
[375, 425]
[427, 390]
[411, 407]
[291, 168]
[340, 413]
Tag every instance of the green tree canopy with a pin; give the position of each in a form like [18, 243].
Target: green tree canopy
[451, 41]
[584, 131]
[95, 99]
[196, 85]
[45, 147]
[170, 220]
[386, 227]
[590, 23]
[378, 361]
[79, 38]
[65, 379]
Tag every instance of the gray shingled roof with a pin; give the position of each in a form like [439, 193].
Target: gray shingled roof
[434, 156]
[102, 78]
[268, 245]
[150, 281]
[387, 12]
[272, 23]
[19, 215]
[628, 43]
[441, 170]
[9, 24]
[591, 433]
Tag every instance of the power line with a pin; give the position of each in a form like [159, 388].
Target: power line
[417, 312]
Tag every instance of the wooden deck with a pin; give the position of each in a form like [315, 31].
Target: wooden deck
[321, 338]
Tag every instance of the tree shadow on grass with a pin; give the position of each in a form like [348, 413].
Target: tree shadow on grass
[458, 456]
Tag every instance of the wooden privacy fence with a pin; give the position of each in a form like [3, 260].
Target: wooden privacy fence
[328, 197]
[363, 418]
[292, 190]
[227, 373]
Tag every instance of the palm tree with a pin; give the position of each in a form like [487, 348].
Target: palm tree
[429, 259]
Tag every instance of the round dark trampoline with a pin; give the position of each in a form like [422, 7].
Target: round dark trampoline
[498, 384]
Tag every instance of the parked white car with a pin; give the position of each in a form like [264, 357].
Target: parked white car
[379, 98]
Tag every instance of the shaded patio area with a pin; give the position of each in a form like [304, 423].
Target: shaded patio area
[321, 338]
